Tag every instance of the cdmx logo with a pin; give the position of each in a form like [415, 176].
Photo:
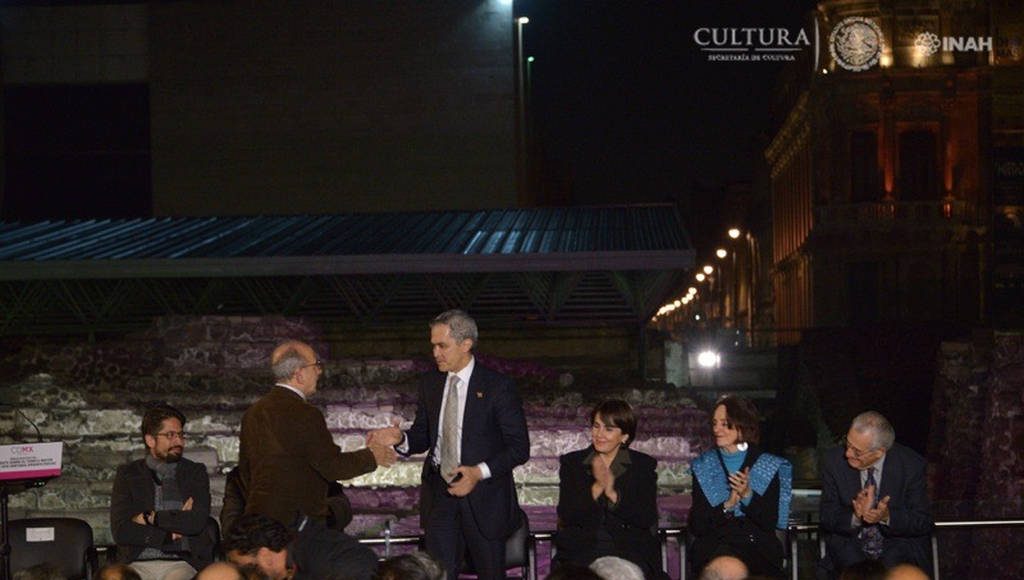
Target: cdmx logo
[856, 43]
[23, 450]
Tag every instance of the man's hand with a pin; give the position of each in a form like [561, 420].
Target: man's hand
[384, 455]
[470, 476]
[187, 506]
[863, 500]
[387, 436]
[877, 514]
[140, 519]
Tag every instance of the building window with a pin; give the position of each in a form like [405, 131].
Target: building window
[864, 185]
[76, 151]
[919, 167]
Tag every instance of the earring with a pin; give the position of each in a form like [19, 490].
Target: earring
[742, 446]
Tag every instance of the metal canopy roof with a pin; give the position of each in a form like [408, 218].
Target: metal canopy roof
[592, 265]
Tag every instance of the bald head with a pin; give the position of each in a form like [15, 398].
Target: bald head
[295, 363]
[724, 568]
[288, 348]
[220, 571]
[905, 572]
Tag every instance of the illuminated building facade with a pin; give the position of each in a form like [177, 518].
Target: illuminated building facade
[897, 190]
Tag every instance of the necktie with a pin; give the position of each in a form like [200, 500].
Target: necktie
[450, 431]
[871, 535]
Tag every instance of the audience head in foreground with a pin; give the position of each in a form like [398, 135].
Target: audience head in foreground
[724, 568]
[414, 566]
[313, 551]
[615, 568]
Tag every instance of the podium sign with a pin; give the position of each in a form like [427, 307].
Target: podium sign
[30, 460]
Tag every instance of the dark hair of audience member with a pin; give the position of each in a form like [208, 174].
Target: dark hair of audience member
[569, 571]
[742, 416]
[413, 566]
[44, 571]
[616, 413]
[251, 532]
[153, 420]
[864, 570]
[117, 572]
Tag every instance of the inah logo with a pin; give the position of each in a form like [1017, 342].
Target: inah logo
[927, 43]
[856, 43]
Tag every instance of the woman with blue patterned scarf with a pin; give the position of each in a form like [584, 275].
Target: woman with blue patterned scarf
[741, 495]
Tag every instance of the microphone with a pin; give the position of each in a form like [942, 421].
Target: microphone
[7, 407]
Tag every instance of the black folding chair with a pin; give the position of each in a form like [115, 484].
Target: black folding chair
[65, 543]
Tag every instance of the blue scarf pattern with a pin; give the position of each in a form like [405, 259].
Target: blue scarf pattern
[715, 483]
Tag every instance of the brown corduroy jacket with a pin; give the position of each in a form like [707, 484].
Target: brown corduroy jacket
[287, 458]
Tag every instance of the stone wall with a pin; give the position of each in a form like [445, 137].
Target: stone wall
[977, 452]
[92, 395]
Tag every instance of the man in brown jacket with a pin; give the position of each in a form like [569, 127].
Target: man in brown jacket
[287, 457]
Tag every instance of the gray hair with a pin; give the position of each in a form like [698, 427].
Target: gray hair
[290, 361]
[615, 568]
[882, 433]
[460, 324]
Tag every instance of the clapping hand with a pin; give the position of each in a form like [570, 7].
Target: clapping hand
[604, 480]
[739, 487]
[877, 514]
[863, 500]
[739, 482]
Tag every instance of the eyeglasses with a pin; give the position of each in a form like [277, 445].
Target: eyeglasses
[317, 363]
[171, 435]
[858, 453]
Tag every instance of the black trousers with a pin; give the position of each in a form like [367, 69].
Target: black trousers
[451, 532]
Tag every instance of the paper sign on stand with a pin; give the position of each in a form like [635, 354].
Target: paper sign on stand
[30, 460]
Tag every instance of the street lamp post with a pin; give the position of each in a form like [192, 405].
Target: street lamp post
[521, 112]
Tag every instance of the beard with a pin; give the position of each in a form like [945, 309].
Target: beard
[173, 454]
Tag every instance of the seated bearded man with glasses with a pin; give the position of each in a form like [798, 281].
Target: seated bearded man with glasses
[160, 505]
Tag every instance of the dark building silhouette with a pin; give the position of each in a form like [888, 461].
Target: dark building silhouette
[220, 108]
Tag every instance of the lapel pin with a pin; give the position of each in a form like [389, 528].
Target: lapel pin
[479, 394]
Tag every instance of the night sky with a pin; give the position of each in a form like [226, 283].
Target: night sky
[626, 107]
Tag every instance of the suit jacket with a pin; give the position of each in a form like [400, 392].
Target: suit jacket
[910, 520]
[630, 523]
[319, 552]
[287, 458]
[493, 432]
[135, 493]
[710, 526]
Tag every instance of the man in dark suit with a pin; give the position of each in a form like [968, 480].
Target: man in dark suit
[874, 500]
[311, 552]
[160, 506]
[470, 419]
[287, 458]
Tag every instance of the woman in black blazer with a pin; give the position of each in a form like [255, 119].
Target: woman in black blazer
[607, 502]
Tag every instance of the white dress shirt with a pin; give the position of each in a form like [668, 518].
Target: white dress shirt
[292, 389]
[464, 375]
